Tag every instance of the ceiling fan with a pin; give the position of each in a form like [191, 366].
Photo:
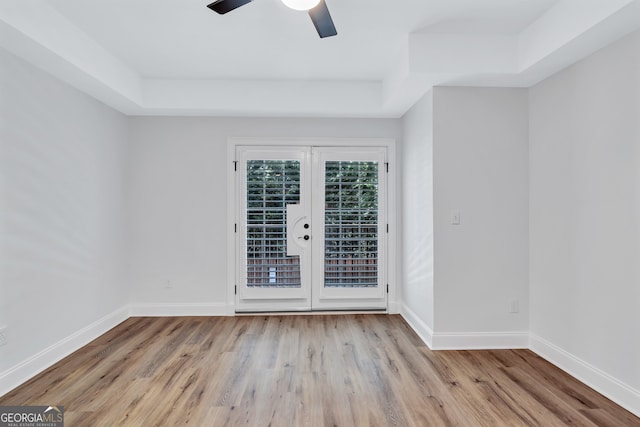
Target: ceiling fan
[317, 9]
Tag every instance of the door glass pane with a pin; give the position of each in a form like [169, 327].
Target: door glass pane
[351, 224]
[271, 186]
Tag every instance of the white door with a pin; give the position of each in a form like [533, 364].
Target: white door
[311, 228]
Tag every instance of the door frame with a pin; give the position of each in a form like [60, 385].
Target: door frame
[233, 249]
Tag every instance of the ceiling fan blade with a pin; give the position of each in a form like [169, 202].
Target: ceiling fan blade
[224, 6]
[322, 20]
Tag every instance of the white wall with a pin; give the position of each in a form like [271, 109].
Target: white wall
[480, 163]
[417, 216]
[178, 195]
[62, 247]
[585, 220]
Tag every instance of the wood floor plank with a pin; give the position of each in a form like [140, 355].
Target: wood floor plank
[323, 370]
[549, 398]
[518, 400]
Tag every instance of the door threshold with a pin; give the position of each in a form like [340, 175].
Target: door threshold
[312, 313]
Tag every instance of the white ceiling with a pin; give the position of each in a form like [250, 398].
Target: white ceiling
[179, 57]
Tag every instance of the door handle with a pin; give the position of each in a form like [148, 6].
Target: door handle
[305, 237]
[296, 219]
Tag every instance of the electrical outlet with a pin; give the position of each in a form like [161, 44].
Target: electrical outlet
[3, 336]
[514, 306]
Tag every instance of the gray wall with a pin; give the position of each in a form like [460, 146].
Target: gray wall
[62, 193]
[481, 169]
[585, 217]
[178, 198]
[417, 216]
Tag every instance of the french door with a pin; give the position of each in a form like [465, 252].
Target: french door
[311, 228]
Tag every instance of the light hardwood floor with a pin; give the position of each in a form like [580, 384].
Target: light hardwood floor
[338, 370]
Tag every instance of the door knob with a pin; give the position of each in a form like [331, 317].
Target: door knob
[305, 237]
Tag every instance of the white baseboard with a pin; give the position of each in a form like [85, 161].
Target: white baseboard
[480, 340]
[614, 389]
[186, 309]
[464, 340]
[418, 325]
[13, 377]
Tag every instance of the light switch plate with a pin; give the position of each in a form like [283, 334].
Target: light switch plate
[455, 217]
